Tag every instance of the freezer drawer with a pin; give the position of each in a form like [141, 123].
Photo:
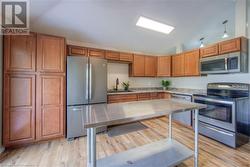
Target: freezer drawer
[75, 122]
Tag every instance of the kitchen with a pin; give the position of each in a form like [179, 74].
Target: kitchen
[53, 94]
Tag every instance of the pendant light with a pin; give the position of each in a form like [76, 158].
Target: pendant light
[201, 41]
[225, 35]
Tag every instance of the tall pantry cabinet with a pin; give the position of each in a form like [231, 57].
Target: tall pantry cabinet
[34, 88]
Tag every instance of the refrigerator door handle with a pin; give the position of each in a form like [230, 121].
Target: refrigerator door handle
[90, 81]
[87, 82]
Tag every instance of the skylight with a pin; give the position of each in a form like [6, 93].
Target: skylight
[154, 25]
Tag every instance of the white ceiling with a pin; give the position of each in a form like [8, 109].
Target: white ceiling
[111, 23]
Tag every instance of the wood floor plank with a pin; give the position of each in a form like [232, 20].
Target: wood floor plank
[63, 153]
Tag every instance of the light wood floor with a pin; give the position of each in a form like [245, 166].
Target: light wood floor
[61, 153]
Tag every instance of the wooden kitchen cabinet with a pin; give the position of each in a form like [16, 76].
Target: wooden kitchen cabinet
[112, 55]
[143, 96]
[34, 89]
[178, 65]
[96, 53]
[164, 66]
[137, 68]
[122, 98]
[212, 50]
[164, 95]
[50, 106]
[233, 45]
[19, 109]
[20, 53]
[127, 57]
[192, 63]
[50, 53]
[76, 50]
[150, 66]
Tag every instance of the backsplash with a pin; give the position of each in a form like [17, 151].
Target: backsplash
[118, 70]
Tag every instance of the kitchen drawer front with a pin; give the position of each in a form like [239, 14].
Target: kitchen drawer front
[164, 95]
[209, 51]
[111, 55]
[229, 46]
[122, 98]
[154, 95]
[128, 57]
[144, 96]
[96, 53]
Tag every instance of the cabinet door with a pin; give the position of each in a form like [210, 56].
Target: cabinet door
[211, 50]
[50, 53]
[164, 66]
[178, 65]
[50, 106]
[128, 57]
[144, 96]
[138, 66]
[150, 66]
[19, 109]
[96, 53]
[76, 51]
[192, 63]
[228, 46]
[111, 55]
[20, 53]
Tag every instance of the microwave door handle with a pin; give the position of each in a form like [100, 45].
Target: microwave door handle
[226, 60]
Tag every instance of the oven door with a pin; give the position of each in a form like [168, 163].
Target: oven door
[214, 65]
[219, 113]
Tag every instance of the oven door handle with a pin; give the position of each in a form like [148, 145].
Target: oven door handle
[214, 100]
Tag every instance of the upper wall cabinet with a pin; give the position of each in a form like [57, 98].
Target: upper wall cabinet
[178, 65]
[233, 45]
[112, 55]
[137, 68]
[128, 57]
[76, 51]
[96, 53]
[20, 53]
[211, 50]
[50, 53]
[150, 66]
[164, 66]
[192, 63]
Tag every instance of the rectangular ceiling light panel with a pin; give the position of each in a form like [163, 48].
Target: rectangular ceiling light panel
[154, 25]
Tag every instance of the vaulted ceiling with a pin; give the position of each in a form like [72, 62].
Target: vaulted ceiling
[111, 23]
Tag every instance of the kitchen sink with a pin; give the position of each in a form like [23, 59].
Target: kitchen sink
[119, 91]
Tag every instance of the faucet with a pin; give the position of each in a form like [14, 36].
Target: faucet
[116, 84]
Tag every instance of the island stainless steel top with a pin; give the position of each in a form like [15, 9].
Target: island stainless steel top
[112, 114]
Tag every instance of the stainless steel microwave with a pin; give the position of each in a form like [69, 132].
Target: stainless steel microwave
[227, 63]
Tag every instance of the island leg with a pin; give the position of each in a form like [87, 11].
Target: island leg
[196, 139]
[91, 147]
[170, 127]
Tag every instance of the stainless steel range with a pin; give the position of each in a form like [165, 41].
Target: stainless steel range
[227, 117]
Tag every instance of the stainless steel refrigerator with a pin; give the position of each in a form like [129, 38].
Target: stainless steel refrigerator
[86, 84]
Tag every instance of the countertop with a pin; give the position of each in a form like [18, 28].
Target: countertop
[117, 113]
[170, 90]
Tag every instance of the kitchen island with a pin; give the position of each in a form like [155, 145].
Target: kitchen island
[163, 153]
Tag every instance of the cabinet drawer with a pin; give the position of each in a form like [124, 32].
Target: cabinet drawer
[209, 51]
[111, 55]
[77, 51]
[128, 57]
[122, 98]
[97, 53]
[154, 95]
[228, 46]
[144, 96]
